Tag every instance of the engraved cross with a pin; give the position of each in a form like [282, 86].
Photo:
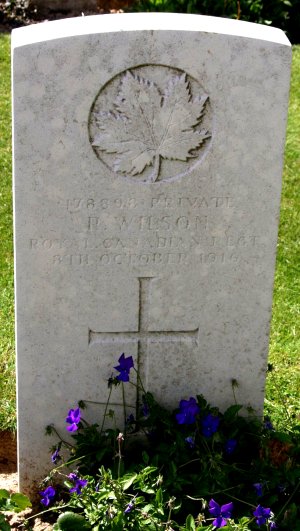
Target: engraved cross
[143, 335]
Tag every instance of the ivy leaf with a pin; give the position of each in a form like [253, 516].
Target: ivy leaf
[146, 125]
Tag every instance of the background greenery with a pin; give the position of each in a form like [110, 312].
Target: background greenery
[283, 382]
[284, 14]
[7, 373]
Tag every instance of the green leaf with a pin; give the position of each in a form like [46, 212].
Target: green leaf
[102, 495]
[232, 412]
[127, 481]
[145, 457]
[100, 454]
[118, 523]
[159, 497]
[147, 490]
[4, 525]
[190, 523]
[148, 507]
[4, 494]
[244, 520]
[202, 403]
[68, 484]
[70, 521]
[148, 470]
[20, 501]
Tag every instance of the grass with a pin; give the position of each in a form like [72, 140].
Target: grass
[283, 382]
[7, 356]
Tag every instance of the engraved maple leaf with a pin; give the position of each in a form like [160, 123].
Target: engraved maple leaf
[146, 125]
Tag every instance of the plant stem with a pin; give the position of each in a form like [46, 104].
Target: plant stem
[124, 407]
[105, 410]
[139, 386]
[188, 463]
[120, 439]
[61, 439]
[289, 499]
[224, 490]
[47, 511]
[67, 463]
[139, 381]
[241, 501]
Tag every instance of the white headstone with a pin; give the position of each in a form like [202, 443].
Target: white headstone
[148, 154]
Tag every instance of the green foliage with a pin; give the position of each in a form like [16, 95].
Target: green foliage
[283, 382]
[133, 501]
[4, 525]
[16, 503]
[15, 12]
[160, 470]
[284, 14]
[69, 521]
[7, 363]
[278, 13]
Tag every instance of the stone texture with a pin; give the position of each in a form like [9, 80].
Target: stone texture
[147, 174]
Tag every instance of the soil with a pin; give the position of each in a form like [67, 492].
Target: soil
[9, 481]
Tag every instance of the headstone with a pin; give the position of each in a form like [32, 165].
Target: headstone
[148, 154]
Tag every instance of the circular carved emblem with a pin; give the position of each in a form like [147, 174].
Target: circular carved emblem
[151, 123]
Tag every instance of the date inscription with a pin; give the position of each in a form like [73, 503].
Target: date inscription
[159, 230]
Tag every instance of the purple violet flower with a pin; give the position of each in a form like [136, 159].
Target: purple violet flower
[259, 489]
[281, 488]
[188, 411]
[130, 420]
[47, 496]
[125, 364]
[230, 446]
[190, 441]
[221, 513]
[210, 424]
[145, 409]
[73, 419]
[268, 424]
[79, 483]
[55, 456]
[129, 507]
[273, 525]
[261, 514]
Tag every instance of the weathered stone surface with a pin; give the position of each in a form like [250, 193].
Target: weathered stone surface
[147, 174]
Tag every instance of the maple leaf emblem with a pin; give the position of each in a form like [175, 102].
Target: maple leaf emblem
[145, 125]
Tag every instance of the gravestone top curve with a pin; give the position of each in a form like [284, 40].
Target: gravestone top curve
[71, 27]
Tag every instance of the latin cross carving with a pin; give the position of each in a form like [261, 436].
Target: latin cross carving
[143, 335]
